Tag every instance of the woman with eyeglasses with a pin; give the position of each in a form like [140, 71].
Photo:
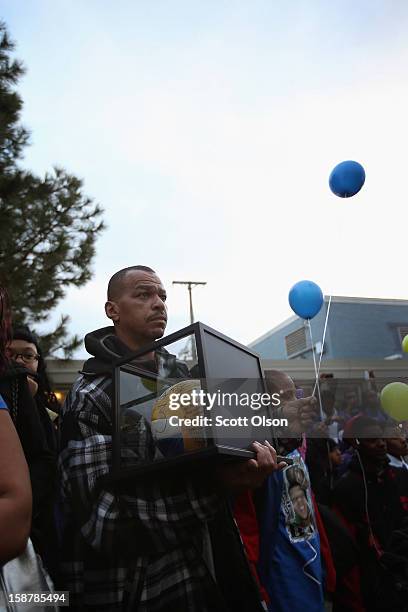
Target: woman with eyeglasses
[18, 390]
[25, 350]
[15, 488]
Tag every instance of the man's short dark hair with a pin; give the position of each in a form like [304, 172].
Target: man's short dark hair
[116, 282]
[359, 425]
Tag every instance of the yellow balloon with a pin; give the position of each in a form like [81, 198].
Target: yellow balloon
[394, 400]
[405, 344]
[149, 384]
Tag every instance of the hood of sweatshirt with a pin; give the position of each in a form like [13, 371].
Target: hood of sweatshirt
[106, 348]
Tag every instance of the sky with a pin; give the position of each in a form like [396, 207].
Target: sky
[207, 131]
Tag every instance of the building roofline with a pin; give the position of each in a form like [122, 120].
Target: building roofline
[273, 330]
[367, 300]
[339, 299]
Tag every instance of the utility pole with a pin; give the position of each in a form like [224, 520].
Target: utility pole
[190, 285]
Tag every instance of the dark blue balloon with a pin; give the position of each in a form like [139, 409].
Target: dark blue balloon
[346, 179]
[306, 299]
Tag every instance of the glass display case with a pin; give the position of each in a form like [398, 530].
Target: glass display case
[179, 403]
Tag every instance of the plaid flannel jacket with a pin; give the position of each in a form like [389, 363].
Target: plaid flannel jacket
[137, 550]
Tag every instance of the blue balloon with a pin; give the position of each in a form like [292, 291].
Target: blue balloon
[306, 299]
[346, 179]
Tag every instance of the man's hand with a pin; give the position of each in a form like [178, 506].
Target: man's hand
[301, 413]
[251, 474]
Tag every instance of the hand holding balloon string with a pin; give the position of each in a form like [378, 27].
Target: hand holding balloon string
[306, 300]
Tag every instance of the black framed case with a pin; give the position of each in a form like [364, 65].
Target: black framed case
[195, 357]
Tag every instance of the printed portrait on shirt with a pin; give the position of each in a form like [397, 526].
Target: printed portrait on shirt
[297, 503]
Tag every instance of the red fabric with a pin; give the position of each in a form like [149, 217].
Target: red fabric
[404, 503]
[325, 551]
[349, 592]
[245, 516]
[349, 595]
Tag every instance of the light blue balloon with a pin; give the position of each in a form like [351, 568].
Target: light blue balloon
[346, 179]
[306, 299]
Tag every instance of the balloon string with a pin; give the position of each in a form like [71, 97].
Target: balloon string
[317, 386]
[323, 339]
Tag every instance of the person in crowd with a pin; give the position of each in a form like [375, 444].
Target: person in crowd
[301, 413]
[323, 458]
[15, 491]
[335, 455]
[333, 420]
[348, 451]
[142, 547]
[397, 446]
[350, 406]
[290, 564]
[371, 406]
[368, 502]
[25, 350]
[397, 450]
[17, 388]
[15, 488]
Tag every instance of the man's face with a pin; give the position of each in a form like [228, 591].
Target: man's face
[398, 446]
[335, 456]
[374, 447]
[139, 309]
[301, 413]
[286, 388]
[297, 495]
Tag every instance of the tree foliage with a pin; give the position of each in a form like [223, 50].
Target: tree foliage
[48, 227]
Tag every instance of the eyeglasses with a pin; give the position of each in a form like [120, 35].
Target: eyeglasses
[26, 357]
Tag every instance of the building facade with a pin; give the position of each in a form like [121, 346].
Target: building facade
[357, 328]
[363, 335]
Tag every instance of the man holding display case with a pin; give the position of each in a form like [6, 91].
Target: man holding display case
[147, 546]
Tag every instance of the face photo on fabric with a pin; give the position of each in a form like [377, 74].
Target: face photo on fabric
[297, 503]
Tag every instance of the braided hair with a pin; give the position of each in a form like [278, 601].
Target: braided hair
[5, 327]
[44, 392]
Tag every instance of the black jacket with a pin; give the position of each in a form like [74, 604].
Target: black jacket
[373, 512]
[380, 498]
[40, 457]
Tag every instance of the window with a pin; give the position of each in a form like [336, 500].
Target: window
[296, 342]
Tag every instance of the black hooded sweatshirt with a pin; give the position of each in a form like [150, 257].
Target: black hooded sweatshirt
[237, 588]
[41, 460]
